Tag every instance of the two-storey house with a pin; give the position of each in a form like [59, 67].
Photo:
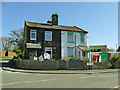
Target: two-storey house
[57, 40]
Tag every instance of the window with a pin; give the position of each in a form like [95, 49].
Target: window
[48, 35]
[82, 36]
[70, 37]
[32, 34]
[93, 50]
[96, 50]
[70, 52]
[102, 49]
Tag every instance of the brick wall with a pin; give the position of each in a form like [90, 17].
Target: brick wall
[11, 53]
[2, 53]
[7, 53]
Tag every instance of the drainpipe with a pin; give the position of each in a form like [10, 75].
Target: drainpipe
[90, 56]
[75, 44]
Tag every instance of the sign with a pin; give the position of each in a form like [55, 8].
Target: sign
[90, 63]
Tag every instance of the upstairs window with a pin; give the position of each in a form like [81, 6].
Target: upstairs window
[70, 37]
[48, 35]
[82, 37]
[32, 34]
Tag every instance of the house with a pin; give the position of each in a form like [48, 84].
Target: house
[98, 48]
[118, 50]
[7, 53]
[59, 41]
[98, 53]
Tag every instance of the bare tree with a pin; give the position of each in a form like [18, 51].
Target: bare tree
[5, 44]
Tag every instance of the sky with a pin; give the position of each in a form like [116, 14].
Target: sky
[100, 19]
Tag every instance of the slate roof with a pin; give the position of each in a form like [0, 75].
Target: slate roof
[84, 48]
[98, 47]
[57, 27]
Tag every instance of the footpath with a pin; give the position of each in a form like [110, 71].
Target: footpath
[95, 71]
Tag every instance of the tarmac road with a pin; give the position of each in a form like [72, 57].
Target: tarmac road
[36, 80]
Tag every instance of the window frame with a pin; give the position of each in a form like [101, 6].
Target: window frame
[31, 34]
[50, 35]
[70, 41]
[72, 52]
[82, 38]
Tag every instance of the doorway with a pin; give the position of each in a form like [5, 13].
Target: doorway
[49, 51]
[31, 54]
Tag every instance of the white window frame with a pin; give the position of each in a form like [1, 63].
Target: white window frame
[50, 35]
[82, 38]
[72, 37]
[31, 35]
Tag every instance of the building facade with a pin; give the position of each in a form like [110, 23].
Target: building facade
[58, 41]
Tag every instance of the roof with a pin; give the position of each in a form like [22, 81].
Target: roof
[98, 47]
[50, 26]
[83, 48]
[31, 45]
[118, 50]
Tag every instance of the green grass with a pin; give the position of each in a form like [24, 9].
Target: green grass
[5, 57]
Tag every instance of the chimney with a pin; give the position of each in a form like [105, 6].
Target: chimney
[54, 19]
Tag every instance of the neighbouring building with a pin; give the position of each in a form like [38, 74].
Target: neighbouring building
[98, 48]
[7, 53]
[57, 40]
[118, 50]
[98, 53]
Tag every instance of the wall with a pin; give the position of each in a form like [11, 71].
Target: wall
[11, 53]
[55, 65]
[7, 53]
[55, 43]
[2, 53]
[47, 64]
[65, 44]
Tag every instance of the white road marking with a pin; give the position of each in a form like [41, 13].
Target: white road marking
[26, 82]
[116, 87]
[99, 76]
[84, 77]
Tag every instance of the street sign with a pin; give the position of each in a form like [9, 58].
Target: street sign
[90, 63]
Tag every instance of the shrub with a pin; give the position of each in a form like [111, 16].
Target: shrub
[75, 58]
[87, 60]
[66, 58]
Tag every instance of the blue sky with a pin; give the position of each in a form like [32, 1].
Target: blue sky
[100, 19]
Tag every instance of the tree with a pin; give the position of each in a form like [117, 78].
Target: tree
[109, 50]
[16, 37]
[5, 44]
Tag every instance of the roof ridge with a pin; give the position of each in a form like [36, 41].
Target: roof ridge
[37, 22]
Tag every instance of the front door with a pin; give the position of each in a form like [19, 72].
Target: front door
[31, 54]
[49, 51]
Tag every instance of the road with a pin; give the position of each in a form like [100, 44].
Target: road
[34, 80]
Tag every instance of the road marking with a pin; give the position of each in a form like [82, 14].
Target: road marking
[26, 82]
[116, 87]
[84, 77]
[98, 76]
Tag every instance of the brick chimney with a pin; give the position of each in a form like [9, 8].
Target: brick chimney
[54, 19]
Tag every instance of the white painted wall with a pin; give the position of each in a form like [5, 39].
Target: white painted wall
[65, 44]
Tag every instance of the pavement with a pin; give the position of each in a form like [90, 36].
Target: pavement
[97, 71]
